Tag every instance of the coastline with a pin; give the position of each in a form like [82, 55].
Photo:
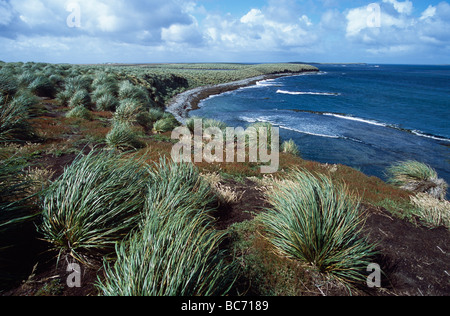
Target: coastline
[183, 103]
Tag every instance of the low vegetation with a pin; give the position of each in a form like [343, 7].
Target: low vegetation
[318, 222]
[84, 169]
[97, 200]
[415, 176]
[290, 147]
[176, 251]
[433, 212]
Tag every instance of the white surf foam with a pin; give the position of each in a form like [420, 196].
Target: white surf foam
[268, 83]
[357, 119]
[418, 133]
[307, 93]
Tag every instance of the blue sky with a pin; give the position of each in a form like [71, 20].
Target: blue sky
[132, 31]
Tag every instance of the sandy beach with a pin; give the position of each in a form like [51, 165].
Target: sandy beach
[189, 100]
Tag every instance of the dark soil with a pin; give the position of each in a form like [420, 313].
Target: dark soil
[251, 203]
[55, 164]
[415, 259]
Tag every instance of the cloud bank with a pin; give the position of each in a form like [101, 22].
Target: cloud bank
[98, 31]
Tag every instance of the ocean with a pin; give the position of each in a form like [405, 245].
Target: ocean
[364, 116]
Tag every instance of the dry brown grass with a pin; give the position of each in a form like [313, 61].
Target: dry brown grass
[434, 212]
[51, 128]
[226, 194]
[39, 178]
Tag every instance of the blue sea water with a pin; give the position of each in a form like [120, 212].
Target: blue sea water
[363, 116]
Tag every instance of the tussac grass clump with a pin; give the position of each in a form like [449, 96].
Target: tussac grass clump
[43, 87]
[79, 112]
[176, 252]
[179, 257]
[123, 138]
[8, 84]
[106, 102]
[290, 147]
[137, 93]
[80, 98]
[407, 171]
[13, 193]
[77, 82]
[127, 112]
[14, 117]
[206, 123]
[95, 203]
[417, 177]
[318, 222]
[177, 186]
[433, 212]
[164, 125]
[17, 213]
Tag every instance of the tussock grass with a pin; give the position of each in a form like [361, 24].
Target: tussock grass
[42, 87]
[25, 99]
[14, 116]
[96, 202]
[123, 138]
[79, 112]
[108, 81]
[318, 222]
[179, 257]
[417, 177]
[179, 185]
[127, 112]
[164, 125]
[403, 172]
[155, 115]
[26, 78]
[137, 93]
[8, 84]
[433, 212]
[262, 126]
[17, 213]
[80, 98]
[177, 251]
[14, 190]
[107, 102]
[77, 82]
[290, 147]
[206, 123]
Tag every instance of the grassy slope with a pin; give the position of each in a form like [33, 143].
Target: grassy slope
[62, 138]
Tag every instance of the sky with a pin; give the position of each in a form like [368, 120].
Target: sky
[255, 31]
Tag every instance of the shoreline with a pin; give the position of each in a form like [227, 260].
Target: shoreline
[187, 101]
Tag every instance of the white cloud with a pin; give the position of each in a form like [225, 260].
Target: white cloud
[400, 33]
[357, 20]
[405, 7]
[254, 16]
[180, 33]
[428, 13]
[175, 29]
[270, 28]
[117, 19]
